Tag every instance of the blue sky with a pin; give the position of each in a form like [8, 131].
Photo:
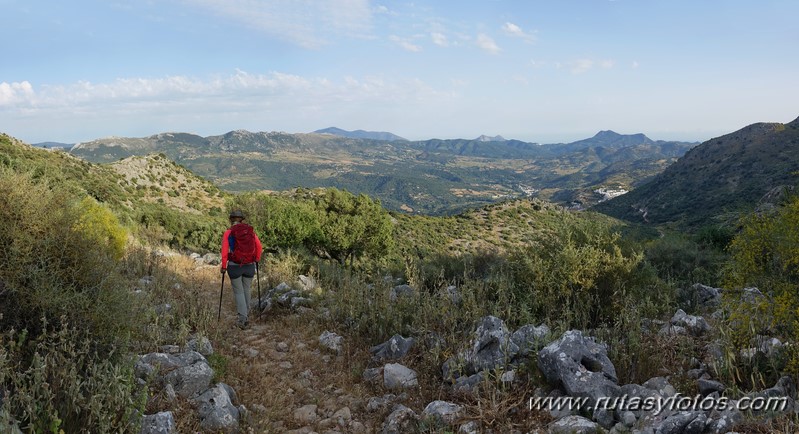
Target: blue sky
[540, 71]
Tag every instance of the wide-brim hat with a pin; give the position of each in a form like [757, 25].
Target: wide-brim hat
[236, 213]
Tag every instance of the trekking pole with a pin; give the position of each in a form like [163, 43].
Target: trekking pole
[219, 315]
[258, 279]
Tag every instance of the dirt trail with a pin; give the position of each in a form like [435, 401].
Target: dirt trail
[285, 378]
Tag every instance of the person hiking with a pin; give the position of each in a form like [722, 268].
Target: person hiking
[241, 250]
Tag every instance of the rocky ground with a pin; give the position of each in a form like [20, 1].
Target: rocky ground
[289, 372]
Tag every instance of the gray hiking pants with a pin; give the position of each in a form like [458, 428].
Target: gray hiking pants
[241, 280]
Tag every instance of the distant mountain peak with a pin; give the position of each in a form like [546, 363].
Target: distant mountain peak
[361, 134]
[484, 138]
[610, 137]
[607, 133]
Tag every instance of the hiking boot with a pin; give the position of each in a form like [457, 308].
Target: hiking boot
[244, 325]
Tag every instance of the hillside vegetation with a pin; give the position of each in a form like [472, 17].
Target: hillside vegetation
[717, 181]
[429, 177]
[95, 273]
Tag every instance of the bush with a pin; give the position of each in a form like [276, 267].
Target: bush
[765, 254]
[575, 275]
[333, 224]
[60, 262]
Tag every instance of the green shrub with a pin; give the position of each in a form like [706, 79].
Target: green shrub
[60, 261]
[66, 386]
[333, 224]
[765, 254]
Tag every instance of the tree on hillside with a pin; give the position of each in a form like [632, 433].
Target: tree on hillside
[351, 226]
[280, 222]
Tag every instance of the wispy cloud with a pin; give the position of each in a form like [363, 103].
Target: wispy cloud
[515, 31]
[405, 44]
[439, 39]
[487, 44]
[307, 23]
[240, 91]
[581, 66]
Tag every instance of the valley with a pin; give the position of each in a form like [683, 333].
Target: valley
[428, 177]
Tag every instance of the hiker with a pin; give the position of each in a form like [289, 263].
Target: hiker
[241, 250]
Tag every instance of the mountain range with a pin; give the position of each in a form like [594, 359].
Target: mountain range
[360, 134]
[717, 180]
[431, 176]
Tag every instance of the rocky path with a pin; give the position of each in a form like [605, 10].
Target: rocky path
[287, 381]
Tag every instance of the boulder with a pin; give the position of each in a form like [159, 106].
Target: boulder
[684, 422]
[396, 376]
[381, 403]
[751, 295]
[401, 291]
[393, 349]
[281, 288]
[695, 325]
[401, 420]
[308, 284]
[722, 421]
[298, 302]
[706, 387]
[331, 341]
[216, 410]
[530, 338]
[640, 394]
[154, 364]
[468, 384]
[660, 385]
[264, 304]
[672, 330]
[580, 365]
[159, 423]
[285, 298]
[705, 296]
[201, 345]
[192, 378]
[782, 394]
[574, 425]
[471, 427]
[212, 258]
[490, 348]
[442, 412]
[306, 415]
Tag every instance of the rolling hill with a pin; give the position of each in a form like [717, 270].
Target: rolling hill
[360, 134]
[717, 180]
[432, 176]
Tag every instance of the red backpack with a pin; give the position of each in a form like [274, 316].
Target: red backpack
[242, 244]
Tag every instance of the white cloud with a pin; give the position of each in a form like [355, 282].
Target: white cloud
[240, 91]
[405, 44]
[307, 23]
[209, 105]
[515, 31]
[439, 39]
[15, 93]
[486, 43]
